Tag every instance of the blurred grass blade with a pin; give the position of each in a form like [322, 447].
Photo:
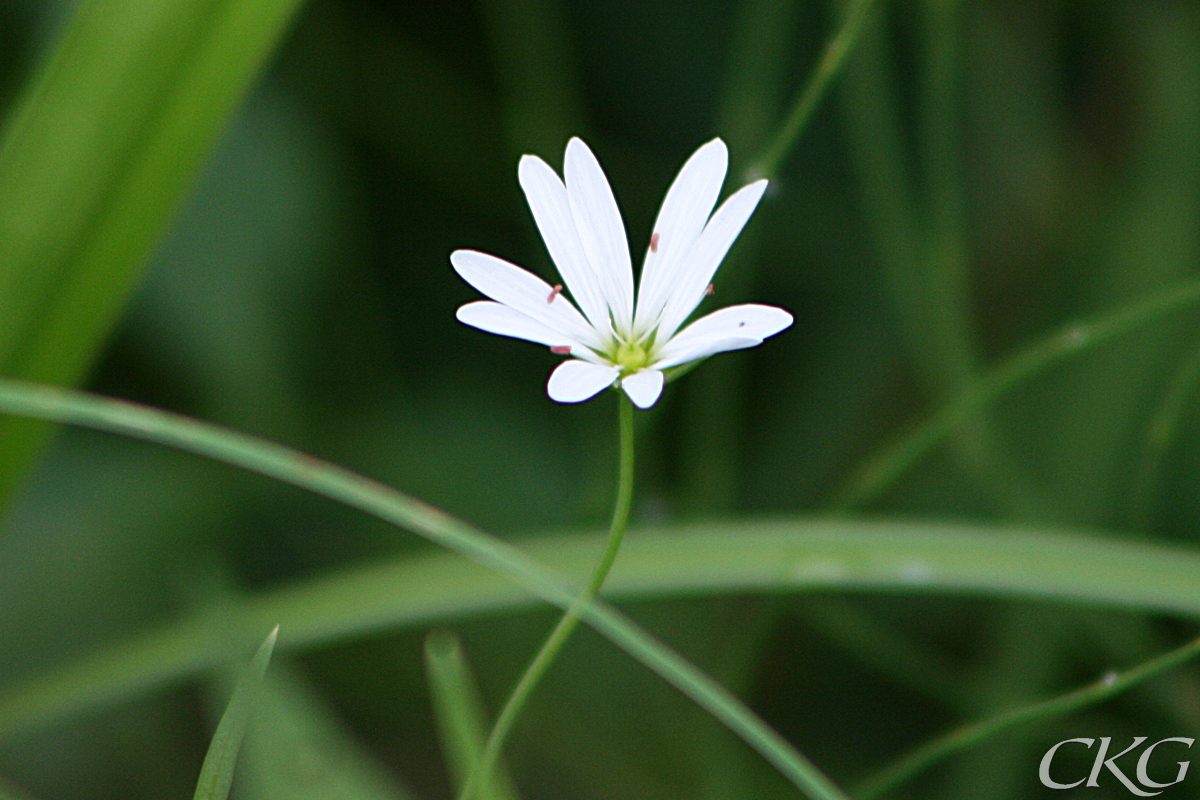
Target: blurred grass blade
[945, 267]
[461, 719]
[357, 491]
[1161, 433]
[832, 59]
[742, 557]
[299, 749]
[531, 48]
[216, 774]
[881, 471]
[967, 736]
[93, 163]
[879, 646]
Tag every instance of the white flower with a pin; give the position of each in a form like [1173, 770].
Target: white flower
[614, 341]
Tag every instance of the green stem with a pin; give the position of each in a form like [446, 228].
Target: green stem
[832, 59]
[960, 739]
[570, 619]
[354, 490]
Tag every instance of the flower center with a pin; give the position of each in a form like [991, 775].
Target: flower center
[631, 357]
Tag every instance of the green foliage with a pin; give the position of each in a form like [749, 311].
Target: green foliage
[216, 775]
[462, 721]
[95, 160]
[984, 216]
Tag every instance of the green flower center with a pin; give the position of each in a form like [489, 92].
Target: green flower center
[631, 357]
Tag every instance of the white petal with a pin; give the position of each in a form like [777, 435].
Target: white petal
[706, 255]
[729, 328]
[684, 211]
[547, 198]
[643, 387]
[507, 321]
[522, 290]
[601, 231]
[575, 381]
[706, 349]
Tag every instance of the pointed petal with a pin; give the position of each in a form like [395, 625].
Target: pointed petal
[601, 231]
[684, 212]
[730, 328]
[522, 290]
[643, 387]
[575, 381]
[547, 198]
[706, 255]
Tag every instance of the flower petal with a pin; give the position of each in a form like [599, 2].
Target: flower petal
[507, 321]
[729, 328]
[706, 254]
[680, 221]
[643, 387]
[547, 198]
[525, 292]
[601, 231]
[575, 381]
[706, 349]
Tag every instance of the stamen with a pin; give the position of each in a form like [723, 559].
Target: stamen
[561, 349]
[710, 290]
[654, 243]
[554, 292]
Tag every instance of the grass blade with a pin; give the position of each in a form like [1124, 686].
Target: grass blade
[831, 61]
[461, 718]
[300, 749]
[216, 774]
[889, 464]
[94, 162]
[357, 491]
[789, 555]
[970, 735]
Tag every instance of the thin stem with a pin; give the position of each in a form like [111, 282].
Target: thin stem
[959, 739]
[570, 619]
[832, 59]
[357, 491]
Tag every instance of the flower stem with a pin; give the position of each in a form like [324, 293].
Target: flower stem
[570, 618]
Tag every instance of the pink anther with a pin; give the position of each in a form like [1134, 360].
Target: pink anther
[654, 243]
[554, 292]
[710, 290]
[561, 349]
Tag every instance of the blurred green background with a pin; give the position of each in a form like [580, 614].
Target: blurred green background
[978, 176]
